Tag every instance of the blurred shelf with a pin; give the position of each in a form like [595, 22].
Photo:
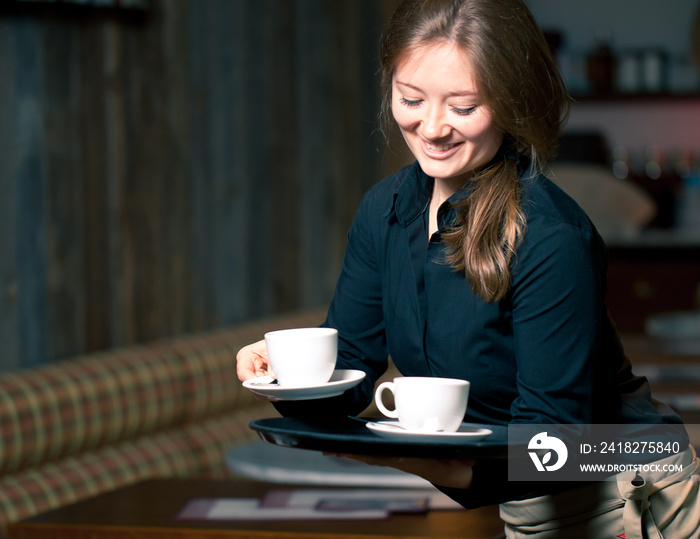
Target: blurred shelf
[638, 97]
[643, 349]
[655, 271]
[656, 239]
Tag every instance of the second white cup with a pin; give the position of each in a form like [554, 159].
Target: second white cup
[302, 357]
[426, 404]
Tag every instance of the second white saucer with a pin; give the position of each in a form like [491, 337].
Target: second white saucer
[391, 430]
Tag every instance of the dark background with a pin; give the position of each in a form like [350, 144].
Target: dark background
[191, 165]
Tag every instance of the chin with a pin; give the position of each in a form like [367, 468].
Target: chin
[442, 173]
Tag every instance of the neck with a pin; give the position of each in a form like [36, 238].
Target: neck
[444, 189]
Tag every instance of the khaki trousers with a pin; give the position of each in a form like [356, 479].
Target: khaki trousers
[652, 505]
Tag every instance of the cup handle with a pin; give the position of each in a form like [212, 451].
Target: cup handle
[378, 399]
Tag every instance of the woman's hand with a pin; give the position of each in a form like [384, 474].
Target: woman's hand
[452, 473]
[251, 361]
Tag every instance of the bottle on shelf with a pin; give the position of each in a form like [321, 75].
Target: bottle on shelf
[620, 164]
[688, 204]
[601, 70]
[650, 169]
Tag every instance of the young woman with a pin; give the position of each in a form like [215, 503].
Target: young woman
[471, 264]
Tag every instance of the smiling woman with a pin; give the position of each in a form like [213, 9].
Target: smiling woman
[505, 86]
[443, 119]
[471, 264]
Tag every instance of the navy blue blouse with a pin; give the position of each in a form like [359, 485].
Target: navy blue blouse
[547, 353]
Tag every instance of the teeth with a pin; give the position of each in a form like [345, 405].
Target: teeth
[439, 147]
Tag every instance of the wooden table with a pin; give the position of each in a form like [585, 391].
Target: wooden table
[147, 510]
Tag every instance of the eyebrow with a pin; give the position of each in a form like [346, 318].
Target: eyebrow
[455, 94]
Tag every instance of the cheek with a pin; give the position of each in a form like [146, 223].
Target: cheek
[492, 138]
[402, 116]
[484, 131]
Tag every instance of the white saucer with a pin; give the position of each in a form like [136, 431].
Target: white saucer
[341, 381]
[392, 431]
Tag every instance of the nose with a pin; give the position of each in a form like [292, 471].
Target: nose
[435, 125]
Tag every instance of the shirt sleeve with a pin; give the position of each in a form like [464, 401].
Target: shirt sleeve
[557, 297]
[557, 307]
[356, 312]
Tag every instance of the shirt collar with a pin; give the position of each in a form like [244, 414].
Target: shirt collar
[412, 195]
[413, 191]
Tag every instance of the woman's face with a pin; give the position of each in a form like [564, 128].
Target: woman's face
[442, 117]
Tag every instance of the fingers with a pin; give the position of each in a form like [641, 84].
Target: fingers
[251, 361]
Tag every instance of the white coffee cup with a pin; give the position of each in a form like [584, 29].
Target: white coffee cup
[302, 357]
[426, 404]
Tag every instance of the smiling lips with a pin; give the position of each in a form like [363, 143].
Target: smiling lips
[438, 148]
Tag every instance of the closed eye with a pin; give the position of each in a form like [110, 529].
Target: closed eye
[411, 103]
[464, 112]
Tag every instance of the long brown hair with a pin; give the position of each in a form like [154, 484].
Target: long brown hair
[517, 77]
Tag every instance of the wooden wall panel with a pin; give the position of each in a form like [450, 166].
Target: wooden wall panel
[153, 190]
[314, 142]
[338, 142]
[189, 167]
[279, 190]
[10, 352]
[64, 191]
[96, 181]
[28, 171]
[223, 133]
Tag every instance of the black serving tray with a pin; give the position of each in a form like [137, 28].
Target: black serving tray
[351, 436]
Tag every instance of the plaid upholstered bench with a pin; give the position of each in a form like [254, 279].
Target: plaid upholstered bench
[90, 424]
